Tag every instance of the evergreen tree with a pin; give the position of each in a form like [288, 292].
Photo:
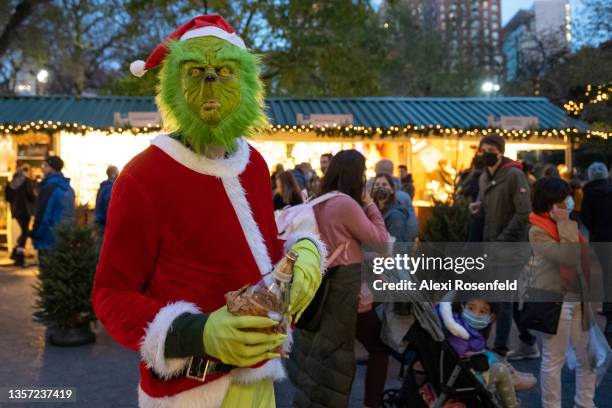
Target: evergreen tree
[66, 277]
[448, 222]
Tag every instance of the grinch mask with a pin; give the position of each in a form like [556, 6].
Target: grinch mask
[210, 93]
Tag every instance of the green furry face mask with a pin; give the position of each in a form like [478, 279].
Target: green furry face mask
[210, 93]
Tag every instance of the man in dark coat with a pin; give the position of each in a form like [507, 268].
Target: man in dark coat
[20, 194]
[597, 217]
[505, 201]
[103, 197]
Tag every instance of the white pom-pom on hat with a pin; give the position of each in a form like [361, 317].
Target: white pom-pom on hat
[137, 68]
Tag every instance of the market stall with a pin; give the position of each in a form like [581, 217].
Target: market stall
[434, 137]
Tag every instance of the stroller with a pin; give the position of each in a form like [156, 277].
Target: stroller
[432, 372]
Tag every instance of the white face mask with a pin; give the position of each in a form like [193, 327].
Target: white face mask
[570, 204]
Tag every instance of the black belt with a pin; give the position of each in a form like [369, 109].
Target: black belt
[199, 368]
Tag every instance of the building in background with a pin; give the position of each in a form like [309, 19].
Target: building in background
[471, 29]
[534, 35]
[519, 43]
[423, 12]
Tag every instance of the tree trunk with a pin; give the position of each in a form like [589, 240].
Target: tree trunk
[21, 13]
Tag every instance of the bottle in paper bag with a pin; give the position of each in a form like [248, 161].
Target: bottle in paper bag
[269, 297]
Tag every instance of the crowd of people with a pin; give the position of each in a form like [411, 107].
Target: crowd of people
[392, 195]
[509, 202]
[39, 205]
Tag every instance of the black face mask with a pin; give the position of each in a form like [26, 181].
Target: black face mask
[381, 193]
[490, 158]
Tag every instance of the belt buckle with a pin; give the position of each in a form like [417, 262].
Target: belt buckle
[199, 368]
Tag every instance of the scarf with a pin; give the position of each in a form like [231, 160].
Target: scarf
[569, 276]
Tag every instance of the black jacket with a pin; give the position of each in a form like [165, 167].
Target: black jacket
[20, 194]
[468, 184]
[597, 210]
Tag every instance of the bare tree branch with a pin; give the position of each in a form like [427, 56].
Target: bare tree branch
[247, 25]
[21, 13]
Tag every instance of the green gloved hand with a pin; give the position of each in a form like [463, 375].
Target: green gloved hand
[232, 340]
[306, 277]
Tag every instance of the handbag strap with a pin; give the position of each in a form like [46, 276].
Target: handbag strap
[339, 250]
[584, 287]
[318, 200]
[531, 268]
[530, 273]
[581, 277]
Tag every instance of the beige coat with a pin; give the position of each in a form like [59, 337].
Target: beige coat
[549, 255]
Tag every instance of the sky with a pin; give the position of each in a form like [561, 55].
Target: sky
[510, 7]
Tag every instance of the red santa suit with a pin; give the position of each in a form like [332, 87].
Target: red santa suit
[182, 231]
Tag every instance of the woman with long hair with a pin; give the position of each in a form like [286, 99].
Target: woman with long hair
[395, 216]
[287, 191]
[322, 364]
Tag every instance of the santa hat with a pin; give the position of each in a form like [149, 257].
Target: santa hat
[212, 25]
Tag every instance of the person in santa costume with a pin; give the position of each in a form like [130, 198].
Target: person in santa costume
[191, 219]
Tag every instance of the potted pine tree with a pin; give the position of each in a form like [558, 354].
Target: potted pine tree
[442, 233]
[64, 285]
[448, 221]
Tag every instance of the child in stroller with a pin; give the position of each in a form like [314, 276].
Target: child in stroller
[457, 372]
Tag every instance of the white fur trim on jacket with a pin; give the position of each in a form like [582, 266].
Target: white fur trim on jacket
[212, 31]
[273, 370]
[446, 311]
[316, 240]
[211, 395]
[237, 197]
[223, 167]
[154, 341]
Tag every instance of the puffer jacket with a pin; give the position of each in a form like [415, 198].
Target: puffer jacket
[322, 363]
[55, 204]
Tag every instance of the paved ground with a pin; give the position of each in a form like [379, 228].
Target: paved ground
[104, 374]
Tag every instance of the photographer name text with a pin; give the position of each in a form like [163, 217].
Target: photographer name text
[452, 284]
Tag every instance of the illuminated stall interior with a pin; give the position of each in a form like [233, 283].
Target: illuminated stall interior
[434, 137]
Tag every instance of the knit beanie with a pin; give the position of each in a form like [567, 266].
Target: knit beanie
[55, 163]
[598, 171]
[494, 140]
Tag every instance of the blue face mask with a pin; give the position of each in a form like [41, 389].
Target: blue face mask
[570, 204]
[475, 321]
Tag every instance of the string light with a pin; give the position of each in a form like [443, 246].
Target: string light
[593, 94]
[350, 131]
[369, 132]
[50, 127]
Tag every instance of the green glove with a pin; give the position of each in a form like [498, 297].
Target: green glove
[232, 340]
[306, 277]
